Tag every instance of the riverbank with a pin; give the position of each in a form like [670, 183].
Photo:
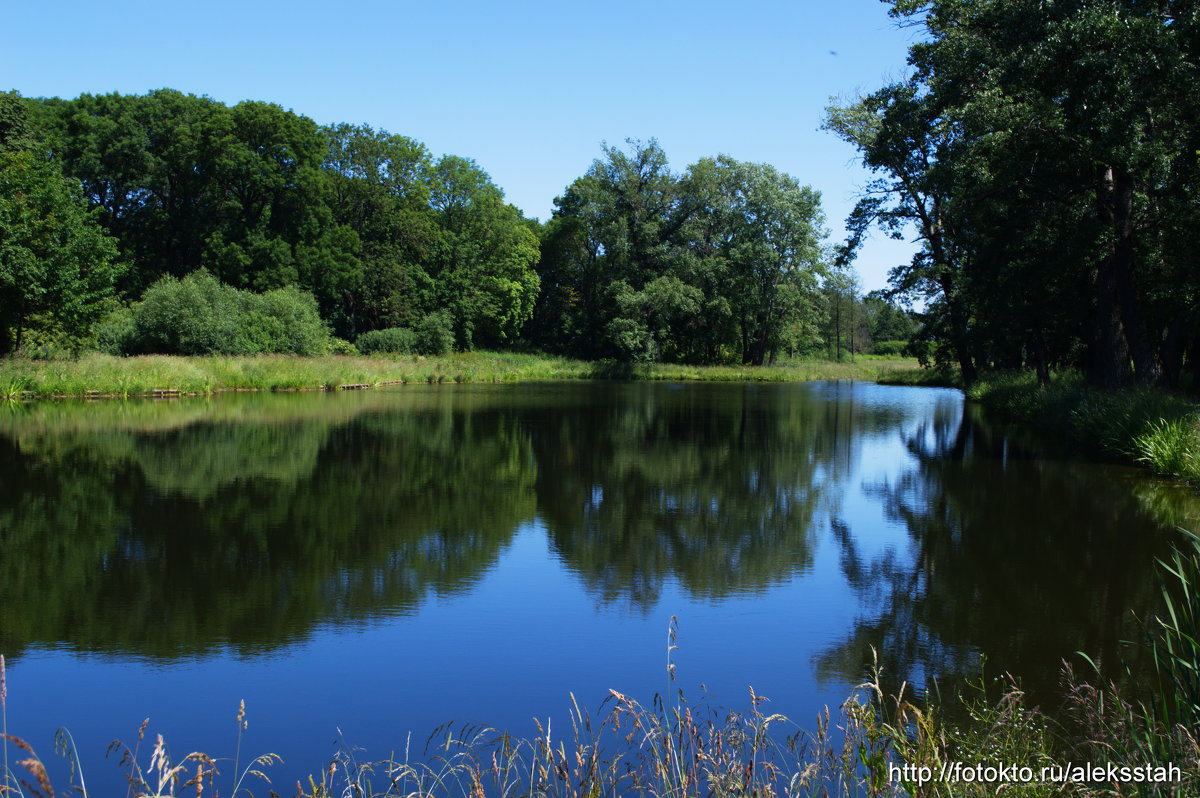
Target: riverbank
[96, 375]
[1147, 426]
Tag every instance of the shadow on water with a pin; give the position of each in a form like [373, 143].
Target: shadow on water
[1019, 556]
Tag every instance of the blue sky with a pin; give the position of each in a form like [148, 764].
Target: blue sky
[527, 89]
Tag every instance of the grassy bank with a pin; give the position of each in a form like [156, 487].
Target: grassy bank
[1140, 425]
[103, 375]
[923, 377]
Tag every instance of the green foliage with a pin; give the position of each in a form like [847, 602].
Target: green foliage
[186, 182]
[57, 266]
[199, 315]
[16, 128]
[340, 346]
[192, 316]
[435, 334]
[720, 263]
[400, 340]
[889, 347]
[1044, 156]
[1171, 446]
[486, 278]
[284, 320]
[115, 333]
[365, 221]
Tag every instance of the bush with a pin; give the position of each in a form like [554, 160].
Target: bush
[199, 315]
[114, 333]
[889, 347]
[435, 334]
[395, 340]
[284, 320]
[340, 346]
[193, 316]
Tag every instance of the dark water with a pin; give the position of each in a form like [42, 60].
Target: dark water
[383, 562]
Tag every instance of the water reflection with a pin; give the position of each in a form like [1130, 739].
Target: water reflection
[168, 543]
[1019, 556]
[715, 488]
[167, 530]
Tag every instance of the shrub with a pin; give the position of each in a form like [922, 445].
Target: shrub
[194, 316]
[435, 334]
[115, 333]
[396, 340]
[199, 315]
[889, 347]
[340, 346]
[283, 320]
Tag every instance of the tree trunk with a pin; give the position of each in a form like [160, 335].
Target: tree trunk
[1147, 369]
[1180, 332]
[958, 330]
[1191, 365]
[6, 342]
[1108, 358]
[1038, 346]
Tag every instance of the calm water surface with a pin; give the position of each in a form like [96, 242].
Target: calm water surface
[387, 561]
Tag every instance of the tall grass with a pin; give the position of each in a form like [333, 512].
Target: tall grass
[105, 375]
[1175, 638]
[1171, 446]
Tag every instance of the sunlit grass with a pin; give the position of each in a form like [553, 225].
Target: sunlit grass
[104, 375]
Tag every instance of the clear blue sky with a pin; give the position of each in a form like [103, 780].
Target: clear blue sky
[527, 89]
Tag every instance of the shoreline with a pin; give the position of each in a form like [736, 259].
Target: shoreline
[97, 376]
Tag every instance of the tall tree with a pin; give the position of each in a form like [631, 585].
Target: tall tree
[905, 141]
[57, 266]
[719, 263]
[484, 273]
[1060, 140]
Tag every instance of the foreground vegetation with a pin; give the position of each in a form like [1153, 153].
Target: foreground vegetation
[879, 745]
[105, 375]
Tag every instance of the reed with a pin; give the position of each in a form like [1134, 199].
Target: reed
[673, 748]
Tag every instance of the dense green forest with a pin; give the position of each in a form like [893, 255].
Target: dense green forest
[1045, 154]
[173, 223]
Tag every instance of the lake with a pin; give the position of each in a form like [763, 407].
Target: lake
[359, 566]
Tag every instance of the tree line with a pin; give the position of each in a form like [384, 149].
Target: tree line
[1045, 154]
[118, 213]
